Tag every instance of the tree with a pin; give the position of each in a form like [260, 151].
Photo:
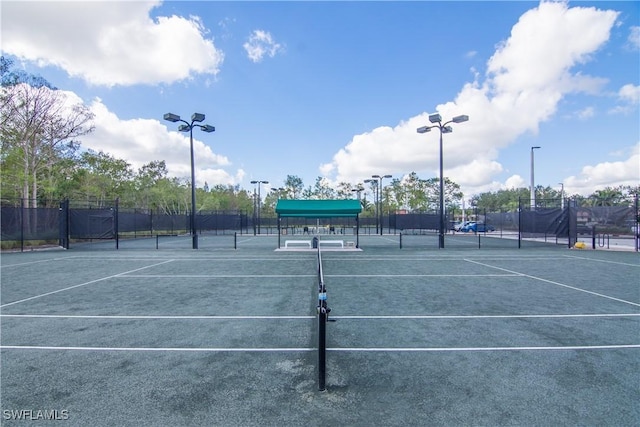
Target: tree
[415, 191]
[508, 200]
[293, 187]
[396, 195]
[452, 193]
[344, 190]
[146, 179]
[39, 129]
[322, 190]
[105, 178]
[607, 197]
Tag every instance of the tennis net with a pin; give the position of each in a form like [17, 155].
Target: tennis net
[323, 315]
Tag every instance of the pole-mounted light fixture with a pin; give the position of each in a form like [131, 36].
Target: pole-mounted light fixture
[258, 182]
[188, 127]
[437, 120]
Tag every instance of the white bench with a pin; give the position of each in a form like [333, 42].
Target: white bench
[305, 243]
[332, 242]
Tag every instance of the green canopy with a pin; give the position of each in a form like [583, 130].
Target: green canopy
[318, 208]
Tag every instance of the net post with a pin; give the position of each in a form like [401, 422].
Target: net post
[401, 240]
[323, 313]
[322, 345]
[235, 240]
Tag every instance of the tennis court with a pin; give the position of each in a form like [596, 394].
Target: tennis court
[229, 337]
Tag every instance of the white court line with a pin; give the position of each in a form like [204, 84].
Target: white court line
[601, 260]
[305, 349]
[493, 316]
[36, 262]
[423, 275]
[168, 349]
[397, 241]
[81, 284]
[208, 276]
[456, 349]
[81, 316]
[408, 317]
[428, 258]
[179, 259]
[555, 283]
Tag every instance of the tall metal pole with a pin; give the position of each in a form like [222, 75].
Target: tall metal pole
[195, 117]
[437, 120]
[380, 201]
[255, 211]
[259, 201]
[374, 181]
[381, 211]
[194, 233]
[377, 195]
[441, 231]
[533, 188]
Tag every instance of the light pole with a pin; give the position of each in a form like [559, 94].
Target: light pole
[379, 178]
[258, 210]
[279, 192]
[533, 187]
[437, 119]
[374, 181]
[358, 190]
[188, 127]
[561, 195]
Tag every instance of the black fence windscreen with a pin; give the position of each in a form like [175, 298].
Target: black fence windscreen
[29, 223]
[92, 223]
[560, 222]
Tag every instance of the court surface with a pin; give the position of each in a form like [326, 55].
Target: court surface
[224, 337]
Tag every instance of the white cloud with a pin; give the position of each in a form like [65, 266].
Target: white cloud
[606, 174]
[515, 181]
[630, 93]
[633, 41]
[109, 43]
[586, 113]
[261, 43]
[629, 98]
[528, 75]
[140, 141]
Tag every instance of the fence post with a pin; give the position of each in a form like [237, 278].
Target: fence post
[115, 222]
[63, 224]
[21, 225]
[637, 216]
[519, 222]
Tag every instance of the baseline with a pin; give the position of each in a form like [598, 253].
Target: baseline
[308, 349]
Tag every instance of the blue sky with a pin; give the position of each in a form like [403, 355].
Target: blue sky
[337, 89]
